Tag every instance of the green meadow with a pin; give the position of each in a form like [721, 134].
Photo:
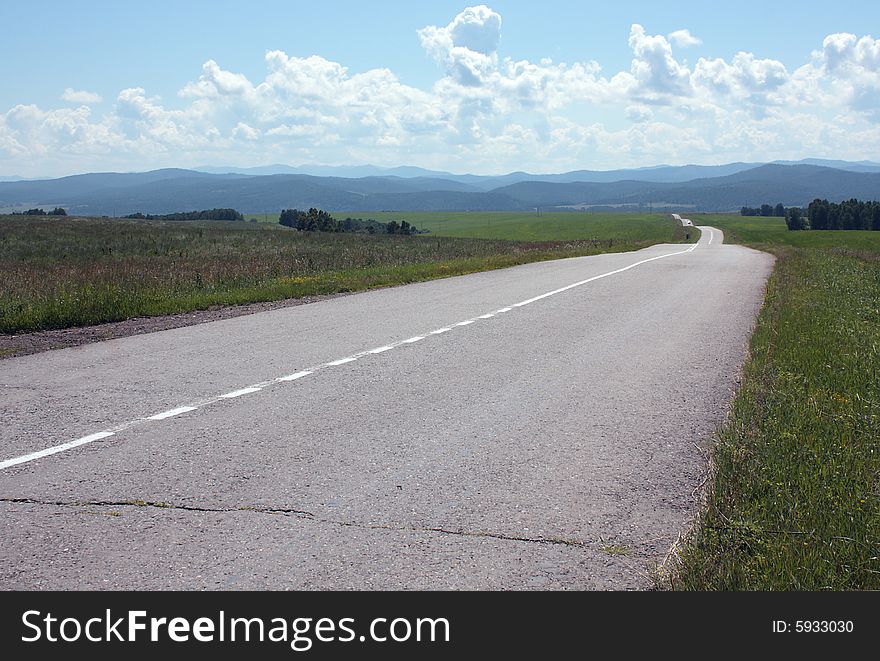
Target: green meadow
[794, 498]
[548, 226]
[66, 272]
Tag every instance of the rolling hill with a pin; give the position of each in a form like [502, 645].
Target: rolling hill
[721, 188]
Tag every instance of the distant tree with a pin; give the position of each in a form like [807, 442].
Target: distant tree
[206, 214]
[766, 210]
[779, 210]
[291, 218]
[317, 220]
[818, 213]
[848, 215]
[35, 212]
[795, 219]
[58, 211]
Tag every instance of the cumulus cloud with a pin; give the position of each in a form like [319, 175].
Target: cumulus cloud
[80, 96]
[658, 73]
[851, 68]
[484, 112]
[752, 81]
[467, 46]
[684, 38]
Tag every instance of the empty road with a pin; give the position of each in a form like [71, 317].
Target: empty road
[538, 427]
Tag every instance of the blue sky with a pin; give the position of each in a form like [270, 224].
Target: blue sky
[131, 86]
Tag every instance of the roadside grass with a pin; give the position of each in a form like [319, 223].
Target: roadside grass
[67, 272]
[518, 226]
[795, 495]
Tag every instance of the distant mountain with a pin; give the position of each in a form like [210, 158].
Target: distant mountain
[47, 191]
[860, 166]
[662, 173]
[166, 191]
[347, 171]
[791, 185]
[721, 188]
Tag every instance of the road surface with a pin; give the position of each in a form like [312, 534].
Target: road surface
[538, 427]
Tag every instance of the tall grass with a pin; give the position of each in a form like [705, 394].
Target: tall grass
[58, 273]
[795, 499]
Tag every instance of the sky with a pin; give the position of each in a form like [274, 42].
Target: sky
[490, 88]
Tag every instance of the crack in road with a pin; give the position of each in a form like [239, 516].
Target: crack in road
[157, 505]
[303, 514]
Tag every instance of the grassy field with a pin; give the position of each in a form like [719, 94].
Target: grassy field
[513, 226]
[60, 273]
[795, 498]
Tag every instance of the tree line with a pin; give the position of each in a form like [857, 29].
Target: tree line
[317, 220]
[57, 211]
[849, 215]
[824, 215]
[766, 210]
[206, 214]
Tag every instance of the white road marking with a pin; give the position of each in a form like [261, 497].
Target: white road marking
[341, 361]
[55, 450]
[171, 413]
[294, 376]
[298, 375]
[239, 393]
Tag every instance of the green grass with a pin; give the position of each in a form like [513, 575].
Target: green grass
[60, 273]
[795, 497]
[517, 226]
[770, 232]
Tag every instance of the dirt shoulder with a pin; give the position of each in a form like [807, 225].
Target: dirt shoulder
[29, 343]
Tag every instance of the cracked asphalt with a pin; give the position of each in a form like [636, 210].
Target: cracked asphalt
[556, 446]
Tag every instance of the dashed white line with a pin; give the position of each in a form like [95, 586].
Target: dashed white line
[55, 450]
[342, 361]
[239, 393]
[294, 376]
[172, 412]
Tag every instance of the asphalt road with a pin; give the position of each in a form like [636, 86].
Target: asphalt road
[555, 444]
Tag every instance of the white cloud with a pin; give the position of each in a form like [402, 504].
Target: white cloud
[638, 114]
[851, 68]
[467, 46]
[80, 96]
[484, 113]
[684, 39]
[658, 74]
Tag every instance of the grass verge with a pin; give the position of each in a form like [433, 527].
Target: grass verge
[62, 273]
[794, 500]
